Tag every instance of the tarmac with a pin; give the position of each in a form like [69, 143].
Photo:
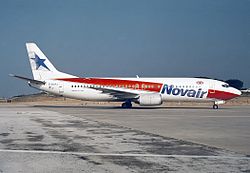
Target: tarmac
[48, 138]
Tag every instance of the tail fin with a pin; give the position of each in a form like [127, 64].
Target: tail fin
[41, 67]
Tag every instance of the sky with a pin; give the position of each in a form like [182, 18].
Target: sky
[125, 38]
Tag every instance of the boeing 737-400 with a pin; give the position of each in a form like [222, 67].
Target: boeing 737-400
[143, 91]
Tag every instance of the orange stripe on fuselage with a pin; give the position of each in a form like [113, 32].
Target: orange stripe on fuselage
[136, 85]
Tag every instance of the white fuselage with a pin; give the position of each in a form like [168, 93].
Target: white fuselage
[171, 89]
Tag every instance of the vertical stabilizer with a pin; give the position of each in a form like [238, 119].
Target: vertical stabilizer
[42, 68]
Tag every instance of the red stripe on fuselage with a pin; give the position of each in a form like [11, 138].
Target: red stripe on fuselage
[221, 95]
[137, 85]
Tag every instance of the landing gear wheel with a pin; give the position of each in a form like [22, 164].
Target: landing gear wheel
[123, 105]
[215, 106]
[127, 105]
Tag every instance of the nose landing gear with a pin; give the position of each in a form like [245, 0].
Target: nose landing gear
[215, 106]
[217, 103]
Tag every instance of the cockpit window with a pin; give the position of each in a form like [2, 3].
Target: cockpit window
[225, 85]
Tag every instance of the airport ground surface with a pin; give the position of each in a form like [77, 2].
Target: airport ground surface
[109, 139]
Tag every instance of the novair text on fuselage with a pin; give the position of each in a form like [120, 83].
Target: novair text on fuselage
[171, 90]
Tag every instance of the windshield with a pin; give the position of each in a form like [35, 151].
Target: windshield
[225, 85]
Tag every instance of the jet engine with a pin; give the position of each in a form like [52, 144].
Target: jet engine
[150, 99]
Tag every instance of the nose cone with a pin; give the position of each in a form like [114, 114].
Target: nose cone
[237, 92]
[233, 92]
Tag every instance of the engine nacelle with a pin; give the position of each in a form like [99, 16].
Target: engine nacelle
[150, 99]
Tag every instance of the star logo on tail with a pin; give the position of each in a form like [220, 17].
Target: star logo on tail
[39, 62]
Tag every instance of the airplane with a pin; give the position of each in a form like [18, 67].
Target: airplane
[142, 91]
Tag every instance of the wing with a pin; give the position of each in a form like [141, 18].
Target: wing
[119, 94]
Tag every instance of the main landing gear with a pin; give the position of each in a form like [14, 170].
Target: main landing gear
[127, 104]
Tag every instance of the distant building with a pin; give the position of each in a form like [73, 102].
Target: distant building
[2, 100]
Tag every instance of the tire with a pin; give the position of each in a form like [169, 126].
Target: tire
[124, 105]
[215, 106]
[127, 105]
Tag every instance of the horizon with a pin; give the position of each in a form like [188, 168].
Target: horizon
[162, 38]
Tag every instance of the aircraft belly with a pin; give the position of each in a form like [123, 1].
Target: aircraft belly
[88, 94]
[166, 98]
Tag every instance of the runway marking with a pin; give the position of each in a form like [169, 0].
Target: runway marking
[122, 155]
[198, 116]
[169, 115]
[226, 116]
[212, 116]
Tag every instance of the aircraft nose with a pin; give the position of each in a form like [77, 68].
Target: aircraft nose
[237, 92]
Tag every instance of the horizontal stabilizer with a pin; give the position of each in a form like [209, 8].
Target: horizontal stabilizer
[28, 79]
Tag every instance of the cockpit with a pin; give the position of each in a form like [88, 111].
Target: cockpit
[225, 85]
